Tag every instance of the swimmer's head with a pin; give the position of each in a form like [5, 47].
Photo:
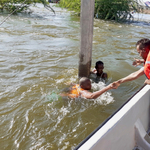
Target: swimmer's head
[85, 83]
[99, 66]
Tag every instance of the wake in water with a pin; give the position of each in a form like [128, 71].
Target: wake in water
[67, 118]
[104, 99]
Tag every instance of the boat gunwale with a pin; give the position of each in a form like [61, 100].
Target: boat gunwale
[103, 123]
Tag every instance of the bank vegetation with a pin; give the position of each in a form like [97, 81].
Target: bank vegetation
[119, 10]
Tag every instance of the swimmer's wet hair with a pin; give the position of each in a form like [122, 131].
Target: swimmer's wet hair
[83, 80]
[98, 63]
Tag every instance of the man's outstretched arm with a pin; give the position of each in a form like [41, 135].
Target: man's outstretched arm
[130, 77]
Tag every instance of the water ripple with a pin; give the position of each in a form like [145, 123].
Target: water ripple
[39, 56]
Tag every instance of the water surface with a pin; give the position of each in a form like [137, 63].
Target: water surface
[39, 55]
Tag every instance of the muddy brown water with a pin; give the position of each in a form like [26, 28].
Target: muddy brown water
[39, 55]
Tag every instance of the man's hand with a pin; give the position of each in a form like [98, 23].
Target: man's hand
[137, 62]
[115, 84]
[147, 81]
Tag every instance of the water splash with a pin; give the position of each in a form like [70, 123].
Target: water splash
[104, 99]
[52, 97]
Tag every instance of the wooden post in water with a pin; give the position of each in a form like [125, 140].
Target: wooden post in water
[86, 24]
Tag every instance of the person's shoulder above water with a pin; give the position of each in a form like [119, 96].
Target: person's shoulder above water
[82, 90]
[76, 89]
[104, 76]
[89, 95]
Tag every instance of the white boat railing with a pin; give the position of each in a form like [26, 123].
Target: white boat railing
[126, 128]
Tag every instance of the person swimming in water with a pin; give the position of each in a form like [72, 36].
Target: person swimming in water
[97, 74]
[82, 90]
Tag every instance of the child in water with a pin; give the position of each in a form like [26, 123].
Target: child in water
[82, 90]
[97, 74]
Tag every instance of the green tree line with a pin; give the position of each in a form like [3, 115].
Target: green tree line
[119, 10]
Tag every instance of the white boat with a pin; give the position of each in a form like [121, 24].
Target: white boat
[126, 129]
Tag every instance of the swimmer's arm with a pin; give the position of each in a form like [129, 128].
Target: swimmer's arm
[94, 95]
[94, 71]
[105, 76]
[131, 76]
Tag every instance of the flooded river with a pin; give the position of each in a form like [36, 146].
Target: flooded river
[39, 55]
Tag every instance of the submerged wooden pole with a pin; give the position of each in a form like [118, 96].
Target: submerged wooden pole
[86, 24]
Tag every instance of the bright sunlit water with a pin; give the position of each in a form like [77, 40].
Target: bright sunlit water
[39, 56]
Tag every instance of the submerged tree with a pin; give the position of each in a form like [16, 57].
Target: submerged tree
[119, 10]
[20, 5]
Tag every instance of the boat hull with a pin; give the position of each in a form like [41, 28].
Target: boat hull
[121, 131]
